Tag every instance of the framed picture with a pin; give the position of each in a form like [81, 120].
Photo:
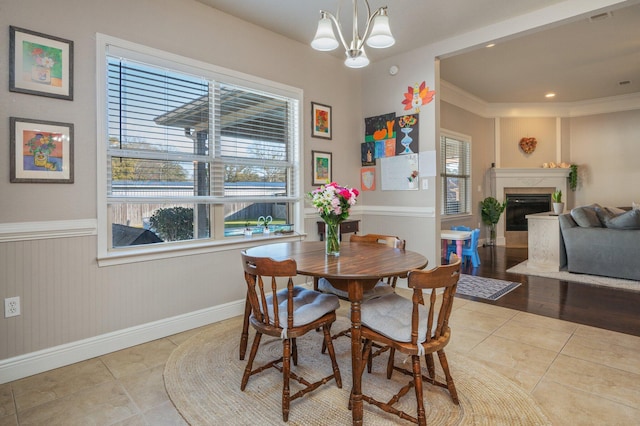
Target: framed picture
[40, 64]
[41, 151]
[320, 121]
[320, 167]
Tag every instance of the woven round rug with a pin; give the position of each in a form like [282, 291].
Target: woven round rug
[202, 378]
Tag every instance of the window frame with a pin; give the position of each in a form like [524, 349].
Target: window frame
[111, 46]
[466, 139]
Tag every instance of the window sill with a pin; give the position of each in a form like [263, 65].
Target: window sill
[158, 252]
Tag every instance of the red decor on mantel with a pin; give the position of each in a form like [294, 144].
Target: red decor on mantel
[528, 145]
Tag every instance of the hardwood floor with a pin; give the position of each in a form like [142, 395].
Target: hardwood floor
[611, 309]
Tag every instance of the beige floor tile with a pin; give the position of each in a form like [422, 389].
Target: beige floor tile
[10, 420]
[545, 322]
[610, 337]
[601, 381]
[524, 364]
[474, 320]
[164, 414]
[139, 358]
[7, 406]
[603, 352]
[534, 335]
[54, 384]
[103, 404]
[569, 407]
[137, 420]
[146, 388]
[492, 310]
[464, 340]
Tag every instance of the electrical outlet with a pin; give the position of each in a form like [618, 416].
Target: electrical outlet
[11, 307]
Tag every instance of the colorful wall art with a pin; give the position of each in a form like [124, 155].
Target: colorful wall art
[417, 96]
[368, 178]
[407, 131]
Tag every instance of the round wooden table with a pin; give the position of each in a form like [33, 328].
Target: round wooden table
[358, 268]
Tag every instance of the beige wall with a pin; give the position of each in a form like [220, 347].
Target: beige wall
[607, 151]
[514, 129]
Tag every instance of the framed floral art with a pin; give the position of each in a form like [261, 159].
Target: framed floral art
[41, 151]
[40, 64]
[320, 167]
[320, 121]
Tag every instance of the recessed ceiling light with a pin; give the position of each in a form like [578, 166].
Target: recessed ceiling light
[550, 95]
[490, 45]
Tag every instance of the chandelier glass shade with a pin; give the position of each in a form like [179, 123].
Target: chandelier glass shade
[377, 34]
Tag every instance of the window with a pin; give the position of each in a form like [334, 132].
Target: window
[455, 166]
[193, 153]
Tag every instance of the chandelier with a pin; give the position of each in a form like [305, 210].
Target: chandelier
[379, 37]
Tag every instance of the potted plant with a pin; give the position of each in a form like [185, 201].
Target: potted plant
[558, 205]
[490, 210]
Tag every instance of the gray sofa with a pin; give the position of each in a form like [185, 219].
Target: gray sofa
[598, 244]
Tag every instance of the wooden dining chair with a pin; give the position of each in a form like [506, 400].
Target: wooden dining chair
[288, 313]
[386, 285]
[415, 329]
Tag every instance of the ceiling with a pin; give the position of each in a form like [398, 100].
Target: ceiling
[580, 60]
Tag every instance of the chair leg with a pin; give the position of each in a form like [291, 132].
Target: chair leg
[252, 355]
[286, 372]
[417, 382]
[294, 351]
[244, 337]
[431, 368]
[392, 354]
[332, 354]
[450, 385]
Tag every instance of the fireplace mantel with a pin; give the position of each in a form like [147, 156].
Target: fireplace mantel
[502, 178]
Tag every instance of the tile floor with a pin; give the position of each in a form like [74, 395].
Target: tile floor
[579, 375]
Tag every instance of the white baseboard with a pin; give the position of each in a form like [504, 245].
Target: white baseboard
[59, 356]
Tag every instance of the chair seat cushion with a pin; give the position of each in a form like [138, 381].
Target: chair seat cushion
[390, 316]
[308, 306]
[380, 289]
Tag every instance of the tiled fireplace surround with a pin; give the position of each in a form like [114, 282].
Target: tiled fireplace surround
[524, 181]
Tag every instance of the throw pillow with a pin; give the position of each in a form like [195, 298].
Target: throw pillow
[635, 206]
[586, 216]
[606, 213]
[627, 220]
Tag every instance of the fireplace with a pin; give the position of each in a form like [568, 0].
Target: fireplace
[506, 183]
[521, 205]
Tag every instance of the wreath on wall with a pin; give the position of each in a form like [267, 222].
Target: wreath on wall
[528, 145]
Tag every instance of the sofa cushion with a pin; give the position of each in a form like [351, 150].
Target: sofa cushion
[607, 213]
[586, 216]
[626, 220]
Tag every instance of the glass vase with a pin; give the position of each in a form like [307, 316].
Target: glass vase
[332, 239]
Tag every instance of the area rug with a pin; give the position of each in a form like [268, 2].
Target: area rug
[521, 268]
[202, 378]
[484, 288]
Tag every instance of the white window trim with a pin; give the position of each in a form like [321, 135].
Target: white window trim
[465, 138]
[131, 50]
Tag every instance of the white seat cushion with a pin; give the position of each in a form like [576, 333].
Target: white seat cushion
[308, 306]
[380, 289]
[390, 316]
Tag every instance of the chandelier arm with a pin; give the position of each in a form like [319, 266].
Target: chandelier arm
[368, 27]
[337, 24]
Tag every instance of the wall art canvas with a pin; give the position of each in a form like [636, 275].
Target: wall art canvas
[368, 178]
[407, 131]
[41, 151]
[40, 64]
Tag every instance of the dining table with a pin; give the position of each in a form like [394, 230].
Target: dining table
[358, 268]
